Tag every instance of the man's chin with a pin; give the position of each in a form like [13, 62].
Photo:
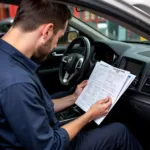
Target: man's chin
[42, 59]
[39, 59]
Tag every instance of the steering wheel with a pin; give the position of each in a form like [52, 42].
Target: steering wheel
[73, 65]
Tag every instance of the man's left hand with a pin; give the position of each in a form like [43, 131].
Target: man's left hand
[80, 88]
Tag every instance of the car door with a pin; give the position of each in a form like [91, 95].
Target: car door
[49, 69]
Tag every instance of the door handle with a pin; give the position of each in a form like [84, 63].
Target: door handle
[57, 55]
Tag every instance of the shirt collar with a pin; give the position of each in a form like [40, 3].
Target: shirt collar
[19, 57]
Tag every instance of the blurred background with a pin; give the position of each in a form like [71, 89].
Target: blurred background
[7, 13]
[102, 25]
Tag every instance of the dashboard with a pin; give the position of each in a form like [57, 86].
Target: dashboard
[132, 57]
[103, 52]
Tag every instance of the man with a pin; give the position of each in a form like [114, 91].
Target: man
[27, 118]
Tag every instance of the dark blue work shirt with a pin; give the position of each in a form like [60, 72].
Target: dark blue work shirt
[27, 118]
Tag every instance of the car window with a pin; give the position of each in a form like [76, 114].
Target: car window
[106, 27]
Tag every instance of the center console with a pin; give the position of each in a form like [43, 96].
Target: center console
[135, 67]
[69, 114]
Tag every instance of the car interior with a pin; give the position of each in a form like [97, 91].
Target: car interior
[87, 44]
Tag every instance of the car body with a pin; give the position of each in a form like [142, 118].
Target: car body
[133, 109]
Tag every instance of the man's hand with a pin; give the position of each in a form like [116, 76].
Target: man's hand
[100, 108]
[80, 88]
[64, 102]
[97, 110]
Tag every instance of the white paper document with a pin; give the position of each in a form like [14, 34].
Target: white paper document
[104, 81]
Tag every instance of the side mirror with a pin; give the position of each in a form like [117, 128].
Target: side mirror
[71, 35]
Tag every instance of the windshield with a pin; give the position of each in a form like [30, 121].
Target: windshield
[106, 27]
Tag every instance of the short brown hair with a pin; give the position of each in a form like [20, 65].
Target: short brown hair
[33, 13]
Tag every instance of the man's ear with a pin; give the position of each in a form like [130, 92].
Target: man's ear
[48, 31]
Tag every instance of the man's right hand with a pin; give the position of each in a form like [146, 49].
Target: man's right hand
[100, 108]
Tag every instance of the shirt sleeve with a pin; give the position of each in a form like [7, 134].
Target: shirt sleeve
[27, 117]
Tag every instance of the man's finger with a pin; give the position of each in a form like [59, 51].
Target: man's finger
[108, 104]
[82, 84]
[104, 100]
